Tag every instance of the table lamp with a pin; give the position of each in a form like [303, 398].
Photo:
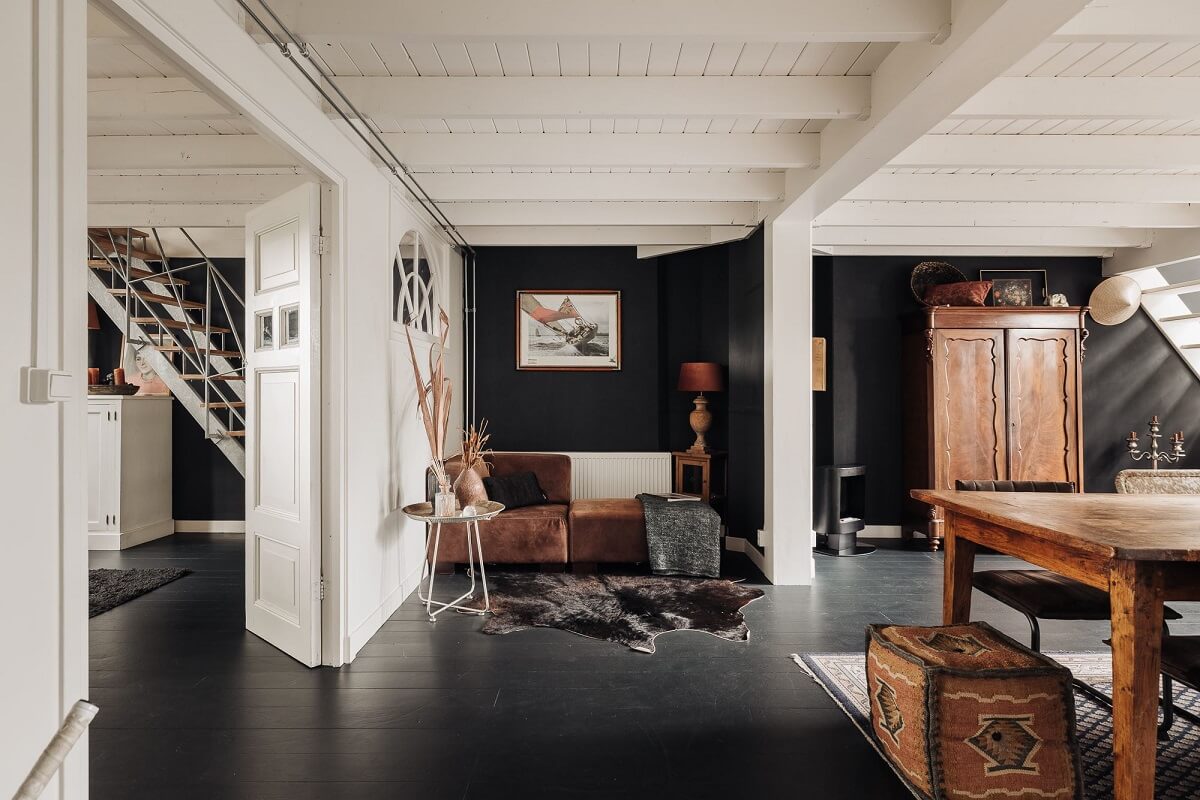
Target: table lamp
[700, 376]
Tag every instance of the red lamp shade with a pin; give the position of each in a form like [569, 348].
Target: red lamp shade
[700, 376]
[93, 316]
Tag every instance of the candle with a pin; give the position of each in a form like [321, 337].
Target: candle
[118, 377]
[93, 375]
[1133, 436]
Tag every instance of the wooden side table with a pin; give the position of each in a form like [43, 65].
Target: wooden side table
[701, 474]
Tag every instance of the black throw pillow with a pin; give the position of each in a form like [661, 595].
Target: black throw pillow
[515, 491]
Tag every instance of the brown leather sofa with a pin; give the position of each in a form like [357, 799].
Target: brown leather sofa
[582, 532]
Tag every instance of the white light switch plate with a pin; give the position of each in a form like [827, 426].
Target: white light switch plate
[40, 385]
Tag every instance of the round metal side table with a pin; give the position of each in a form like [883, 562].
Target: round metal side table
[469, 518]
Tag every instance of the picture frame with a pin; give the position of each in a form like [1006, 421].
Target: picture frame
[568, 330]
[1017, 287]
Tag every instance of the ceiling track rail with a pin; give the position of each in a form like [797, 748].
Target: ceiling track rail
[289, 48]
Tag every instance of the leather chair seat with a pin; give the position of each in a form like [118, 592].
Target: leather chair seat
[1048, 595]
[1181, 658]
[527, 535]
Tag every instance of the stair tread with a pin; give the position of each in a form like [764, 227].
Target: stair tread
[109, 248]
[236, 434]
[118, 231]
[165, 300]
[174, 348]
[1180, 318]
[227, 404]
[196, 377]
[179, 325]
[134, 272]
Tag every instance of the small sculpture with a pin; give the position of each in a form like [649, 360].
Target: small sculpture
[1153, 454]
[1059, 300]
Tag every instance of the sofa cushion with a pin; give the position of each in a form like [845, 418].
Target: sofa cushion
[529, 535]
[515, 491]
[553, 471]
[608, 531]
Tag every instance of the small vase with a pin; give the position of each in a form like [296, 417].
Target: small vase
[468, 488]
[444, 504]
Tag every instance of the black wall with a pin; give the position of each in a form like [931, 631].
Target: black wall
[700, 305]
[205, 486]
[1130, 371]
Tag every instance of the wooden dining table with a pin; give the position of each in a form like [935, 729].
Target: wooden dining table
[1142, 549]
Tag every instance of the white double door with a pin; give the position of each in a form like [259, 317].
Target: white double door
[283, 418]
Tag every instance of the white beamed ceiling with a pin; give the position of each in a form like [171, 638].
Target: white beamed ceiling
[601, 121]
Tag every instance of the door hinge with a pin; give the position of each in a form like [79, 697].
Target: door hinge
[320, 245]
[321, 588]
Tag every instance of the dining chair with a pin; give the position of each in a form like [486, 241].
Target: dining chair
[1181, 662]
[1041, 594]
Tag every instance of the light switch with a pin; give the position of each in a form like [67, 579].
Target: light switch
[45, 385]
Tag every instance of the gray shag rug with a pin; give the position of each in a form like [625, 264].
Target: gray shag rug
[626, 609]
[109, 588]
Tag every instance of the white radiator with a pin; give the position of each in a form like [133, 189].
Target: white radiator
[618, 474]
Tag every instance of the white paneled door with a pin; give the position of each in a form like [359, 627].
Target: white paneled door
[283, 458]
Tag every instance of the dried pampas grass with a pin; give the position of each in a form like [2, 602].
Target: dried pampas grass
[433, 399]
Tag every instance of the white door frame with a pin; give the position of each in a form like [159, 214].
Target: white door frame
[232, 69]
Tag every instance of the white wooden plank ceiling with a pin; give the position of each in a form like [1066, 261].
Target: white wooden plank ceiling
[546, 117]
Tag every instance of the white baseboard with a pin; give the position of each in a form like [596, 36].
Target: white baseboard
[737, 544]
[210, 526]
[374, 621]
[120, 540]
[880, 532]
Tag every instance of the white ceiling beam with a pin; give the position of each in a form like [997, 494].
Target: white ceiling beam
[1016, 214]
[669, 186]
[618, 20]
[424, 150]
[1166, 247]
[799, 97]
[185, 152]
[931, 251]
[1053, 152]
[605, 149]
[1030, 188]
[918, 86]
[150, 99]
[1134, 21]
[615, 235]
[645, 251]
[1084, 98]
[601, 213]
[189, 188]
[933, 236]
[168, 215]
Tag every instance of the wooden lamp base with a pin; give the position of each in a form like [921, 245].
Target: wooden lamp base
[700, 420]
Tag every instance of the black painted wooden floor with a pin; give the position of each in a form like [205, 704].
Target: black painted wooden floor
[192, 706]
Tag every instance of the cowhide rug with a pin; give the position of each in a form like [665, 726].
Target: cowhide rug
[627, 609]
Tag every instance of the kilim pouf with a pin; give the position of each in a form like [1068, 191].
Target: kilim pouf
[963, 711]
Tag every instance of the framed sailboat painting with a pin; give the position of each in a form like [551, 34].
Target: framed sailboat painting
[576, 329]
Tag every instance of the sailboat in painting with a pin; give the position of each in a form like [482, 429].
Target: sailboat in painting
[566, 326]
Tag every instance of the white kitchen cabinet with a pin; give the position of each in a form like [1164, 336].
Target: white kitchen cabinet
[129, 471]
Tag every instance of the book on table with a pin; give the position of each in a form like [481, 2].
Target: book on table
[673, 497]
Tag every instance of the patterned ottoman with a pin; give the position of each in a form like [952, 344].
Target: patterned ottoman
[963, 711]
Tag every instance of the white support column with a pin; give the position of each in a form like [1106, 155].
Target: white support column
[787, 400]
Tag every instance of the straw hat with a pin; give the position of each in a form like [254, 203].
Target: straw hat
[1115, 300]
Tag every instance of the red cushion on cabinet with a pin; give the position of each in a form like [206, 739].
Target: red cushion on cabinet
[961, 293]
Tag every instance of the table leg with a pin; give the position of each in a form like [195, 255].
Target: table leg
[487, 602]
[1137, 620]
[960, 563]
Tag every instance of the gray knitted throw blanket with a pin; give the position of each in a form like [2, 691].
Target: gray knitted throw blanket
[684, 537]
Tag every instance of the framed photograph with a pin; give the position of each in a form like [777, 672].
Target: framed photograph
[1017, 287]
[578, 329]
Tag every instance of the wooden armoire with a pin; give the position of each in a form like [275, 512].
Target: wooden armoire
[990, 394]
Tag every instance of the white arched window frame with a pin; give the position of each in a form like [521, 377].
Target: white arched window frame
[414, 287]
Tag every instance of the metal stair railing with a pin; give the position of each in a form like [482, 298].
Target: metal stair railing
[176, 329]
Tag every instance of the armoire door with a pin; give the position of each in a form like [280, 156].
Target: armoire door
[968, 406]
[103, 466]
[1043, 405]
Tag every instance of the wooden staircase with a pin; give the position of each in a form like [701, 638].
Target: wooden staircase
[1171, 296]
[158, 309]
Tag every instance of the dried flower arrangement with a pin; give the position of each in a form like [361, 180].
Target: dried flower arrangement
[433, 400]
[474, 446]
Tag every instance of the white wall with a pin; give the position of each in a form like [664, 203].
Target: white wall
[43, 597]
[368, 457]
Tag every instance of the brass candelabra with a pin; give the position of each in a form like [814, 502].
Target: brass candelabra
[1154, 454]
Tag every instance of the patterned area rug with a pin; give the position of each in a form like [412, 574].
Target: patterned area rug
[843, 676]
[626, 609]
[109, 588]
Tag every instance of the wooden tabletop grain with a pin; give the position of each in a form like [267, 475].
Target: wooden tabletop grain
[1123, 526]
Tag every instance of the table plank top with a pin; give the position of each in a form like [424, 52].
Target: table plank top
[1139, 527]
